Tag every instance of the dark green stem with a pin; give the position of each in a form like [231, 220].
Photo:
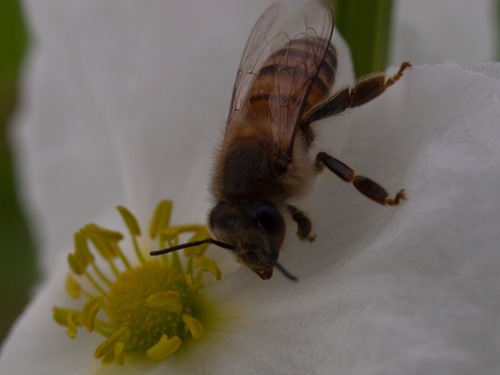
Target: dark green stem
[365, 25]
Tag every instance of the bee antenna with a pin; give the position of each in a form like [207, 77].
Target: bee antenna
[282, 269]
[192, 244]
[224, 245]
[287, 274]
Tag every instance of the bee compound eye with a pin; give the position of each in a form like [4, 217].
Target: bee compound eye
[270, 218]
[224, 217]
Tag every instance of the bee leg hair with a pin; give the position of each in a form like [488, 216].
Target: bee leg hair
[304, 225]
[365, 186]
[364, 90]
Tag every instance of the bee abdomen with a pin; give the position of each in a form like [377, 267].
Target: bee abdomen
[287, 73]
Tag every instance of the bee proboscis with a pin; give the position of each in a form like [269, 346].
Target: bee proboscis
[282, 88]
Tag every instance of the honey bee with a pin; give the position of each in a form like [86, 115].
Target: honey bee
[282, 88]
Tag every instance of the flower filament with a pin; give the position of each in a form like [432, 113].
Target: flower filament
[148, 306]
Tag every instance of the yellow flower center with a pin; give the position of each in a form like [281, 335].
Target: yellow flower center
[147, 310]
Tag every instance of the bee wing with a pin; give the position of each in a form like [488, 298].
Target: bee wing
[274, 42]
[257, 50]
[299, 51]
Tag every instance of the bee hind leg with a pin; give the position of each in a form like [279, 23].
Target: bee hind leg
[304, 225]
[364, 90]
[364, 185]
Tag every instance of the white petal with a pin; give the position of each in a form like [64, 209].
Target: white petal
[123, 104]
[430, 32]
[386, 290]
[37, 345]
[393, 290]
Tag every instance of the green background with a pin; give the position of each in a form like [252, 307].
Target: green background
[17, 262]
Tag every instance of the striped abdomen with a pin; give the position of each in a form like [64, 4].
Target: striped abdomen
[288, 74]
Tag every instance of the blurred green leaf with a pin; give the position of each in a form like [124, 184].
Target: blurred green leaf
[365, 25]
[17, 271]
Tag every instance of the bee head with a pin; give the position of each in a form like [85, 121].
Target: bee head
[256, 230]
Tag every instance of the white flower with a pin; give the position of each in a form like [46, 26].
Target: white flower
[125, 104]
[431, 32]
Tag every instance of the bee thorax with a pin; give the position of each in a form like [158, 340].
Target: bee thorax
[247, 170]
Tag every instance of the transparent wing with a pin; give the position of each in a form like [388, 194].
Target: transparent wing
[282, 60]
[257, 50]
[300, 50]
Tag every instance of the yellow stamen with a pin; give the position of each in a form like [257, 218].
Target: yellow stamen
[73, 288]
[134, 229]
[122, 335]
[168, 301]
[161, 218]
[163, 348]
[208, 265]
[90, 311]
[194, 326]
[147, 308]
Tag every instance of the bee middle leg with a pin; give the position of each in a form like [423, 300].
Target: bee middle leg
[304, 225]
[363, 91]
[364, 185]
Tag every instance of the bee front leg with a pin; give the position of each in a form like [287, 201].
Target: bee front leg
[365, 186]
[304, 225]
